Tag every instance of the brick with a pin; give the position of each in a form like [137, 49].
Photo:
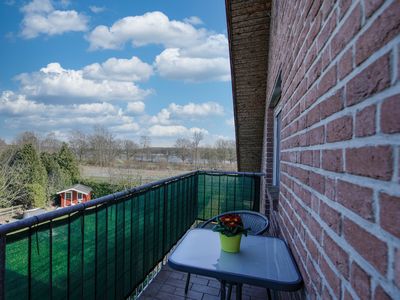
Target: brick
[316, 135]
[371, 6]
[365, 121]
[356, 198]
[347, 295]
[327, 81]
[331, 217]
[344, 6]
[373, 79]
[390, 213]
[331, 105]
[397, 267]
[380, 294]
[315, 228]
[331, 277]
[316, 158]
[345, 65]
[330, 188]
[317, 182]
[347, 31]
[360, 281]
[327, 30]
[332, 160]
[375, 162]
[367, 245]
[390, 115]
[383, 30]
[337, 255]
[313, 116]
[326, 294]
[340, 129]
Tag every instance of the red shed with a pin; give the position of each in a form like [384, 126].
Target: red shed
[74, 195]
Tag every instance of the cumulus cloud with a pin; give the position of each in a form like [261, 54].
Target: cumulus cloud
[19, 111]
[191, 54]
[193, 20]
[58, 83]
[174, 130]
[97, 9]
[194, 110]
[172, 65]
[136, 107]
[40, 17]
[119, 69]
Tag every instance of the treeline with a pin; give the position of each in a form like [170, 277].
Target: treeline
[100, 148]
[31, 178]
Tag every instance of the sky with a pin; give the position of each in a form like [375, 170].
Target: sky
[156, 68]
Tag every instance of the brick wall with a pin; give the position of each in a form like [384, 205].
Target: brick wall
[339, 202]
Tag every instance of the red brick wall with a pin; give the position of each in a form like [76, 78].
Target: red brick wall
[339, 202]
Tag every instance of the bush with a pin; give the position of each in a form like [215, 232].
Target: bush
[101, 189]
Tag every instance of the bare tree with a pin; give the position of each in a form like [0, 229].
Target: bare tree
[28, 137]
[183, 147]
[104, 148]
[221, 147]
[197, 138]
[145, 143]
[50, 143]
[129, 148]
[231, 151]
[78, 141]
[9, 176]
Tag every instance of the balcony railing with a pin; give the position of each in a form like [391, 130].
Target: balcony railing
[105, 248]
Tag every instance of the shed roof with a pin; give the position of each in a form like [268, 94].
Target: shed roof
[79, 188]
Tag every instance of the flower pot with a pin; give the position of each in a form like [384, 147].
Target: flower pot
[230, 243]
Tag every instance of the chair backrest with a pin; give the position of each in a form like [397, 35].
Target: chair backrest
[257, 222]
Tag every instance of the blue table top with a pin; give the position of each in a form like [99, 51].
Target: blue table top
[263, 261]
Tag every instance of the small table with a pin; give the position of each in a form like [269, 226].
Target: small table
[262, 261]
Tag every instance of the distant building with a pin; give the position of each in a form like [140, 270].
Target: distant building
[74, 195]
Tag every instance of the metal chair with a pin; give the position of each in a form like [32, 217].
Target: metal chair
[258, 224]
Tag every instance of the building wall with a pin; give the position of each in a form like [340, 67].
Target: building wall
[339, 201]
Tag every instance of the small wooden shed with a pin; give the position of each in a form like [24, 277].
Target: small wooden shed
[75, 194]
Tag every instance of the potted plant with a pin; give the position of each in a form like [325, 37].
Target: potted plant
[230, 228]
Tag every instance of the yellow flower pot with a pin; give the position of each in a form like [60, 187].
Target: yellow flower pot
[230, 243]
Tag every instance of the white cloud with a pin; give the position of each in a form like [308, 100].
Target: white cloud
[163, 117]
[136, 107]
[20, 112]
[193, 20]
[193, 110]
[170, 64]
[97, 9]
[191, 54]
[119, 69]
[58, 83]
[173, 130]
[40, 17]
[150, 28]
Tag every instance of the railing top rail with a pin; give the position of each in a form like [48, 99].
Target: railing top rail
[31, 221]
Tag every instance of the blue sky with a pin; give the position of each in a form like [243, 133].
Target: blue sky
[156, 68]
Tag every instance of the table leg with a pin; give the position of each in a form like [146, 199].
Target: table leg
[223, 290]
[239, 291]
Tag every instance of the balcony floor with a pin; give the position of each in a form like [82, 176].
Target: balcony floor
[170, 284]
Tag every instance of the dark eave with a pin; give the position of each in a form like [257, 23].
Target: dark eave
[248, 33]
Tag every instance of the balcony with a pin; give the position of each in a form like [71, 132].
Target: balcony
[112, 247]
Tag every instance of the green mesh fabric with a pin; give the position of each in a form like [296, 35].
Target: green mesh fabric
[105, 252]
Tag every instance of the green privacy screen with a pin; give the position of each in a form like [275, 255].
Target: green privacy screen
[106, 251]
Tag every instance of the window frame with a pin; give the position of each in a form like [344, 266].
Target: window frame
[277, 146]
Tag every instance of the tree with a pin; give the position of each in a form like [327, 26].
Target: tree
[67, 162]
[129, 149]
[32, 174]
[145, 143]
[57, 178]
[50, 143]
[78, 143]
[28, 137]
[183, 147]
[221, 146]
[103, 146]
[197, 138]
[12, 181]
[231, 151]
